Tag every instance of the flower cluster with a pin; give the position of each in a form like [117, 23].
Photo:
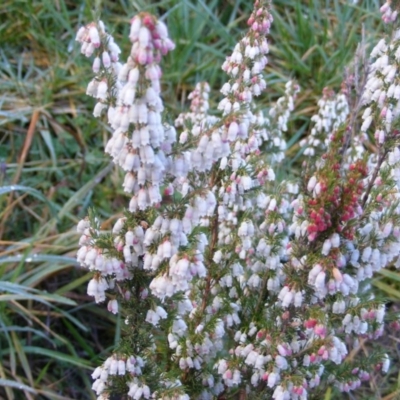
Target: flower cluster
[131, 95]
[95, 40]
[115, 366]
[333, 111]
[229, 281]
[279, 116]
[382, 91]
[388, 14]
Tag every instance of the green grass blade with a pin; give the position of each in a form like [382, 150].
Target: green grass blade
[16, 385]
[26, 189]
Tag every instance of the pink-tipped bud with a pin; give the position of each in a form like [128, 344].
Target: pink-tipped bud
[96, 65]
[94, 36]
[106, 59]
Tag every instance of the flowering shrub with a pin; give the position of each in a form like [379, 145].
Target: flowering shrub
[233, 284]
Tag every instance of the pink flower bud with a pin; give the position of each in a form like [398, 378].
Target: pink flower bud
[320, 330]
[106, 59]
[94, 36]
[113, 306]
[96, 65]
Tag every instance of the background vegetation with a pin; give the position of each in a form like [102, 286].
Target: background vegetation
[52, 166]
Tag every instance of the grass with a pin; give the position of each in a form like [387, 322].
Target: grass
[52, 166]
